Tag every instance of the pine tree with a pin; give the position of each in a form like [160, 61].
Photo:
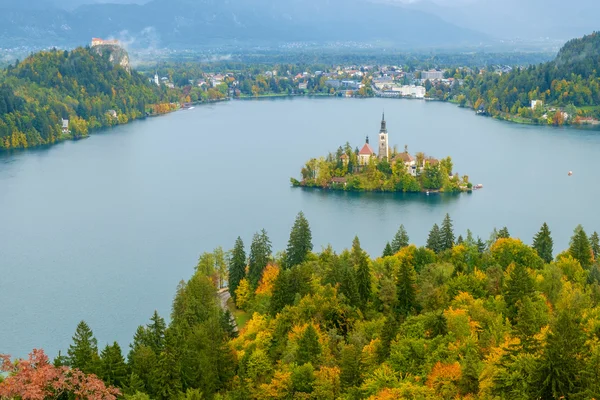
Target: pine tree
[446, 234]
[237, 266]
[460, 240]
[134, 385]
[387, 251]
[543, 244]
[156, 332]
[503, 233]
[388, 334]
[309, 348]
[59, 361]
[480, 245]
[300, 243]
[168, 374]
[113, 369]
[260, 253]
[228, 325]
[406, 289]
[434, 240]
[401, 240]
[350, 364]
[519, 286]
[580, 248]
[595, 244]
[83, 353]
[360, 260]
[348, 286]
[283, 294]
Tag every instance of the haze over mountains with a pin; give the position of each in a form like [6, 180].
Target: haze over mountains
[405, 24]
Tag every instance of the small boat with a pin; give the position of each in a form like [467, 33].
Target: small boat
[478, 186]
[570, 173]
[428, 193]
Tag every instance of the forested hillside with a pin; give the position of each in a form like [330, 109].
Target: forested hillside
[461, 318]
[83, 86]
[570, 82]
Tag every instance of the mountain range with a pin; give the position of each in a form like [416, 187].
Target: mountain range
[198, 23]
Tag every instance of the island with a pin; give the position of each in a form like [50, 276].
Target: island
[386, 171]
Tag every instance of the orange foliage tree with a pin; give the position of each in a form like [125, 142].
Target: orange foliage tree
[36, 379]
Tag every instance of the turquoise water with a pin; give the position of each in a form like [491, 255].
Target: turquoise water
[103, 229]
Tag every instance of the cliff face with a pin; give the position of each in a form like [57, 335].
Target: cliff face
[117, 55]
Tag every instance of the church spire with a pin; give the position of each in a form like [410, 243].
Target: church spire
[367, 141]
[383, 124]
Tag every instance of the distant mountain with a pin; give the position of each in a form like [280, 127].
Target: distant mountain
[195, 23]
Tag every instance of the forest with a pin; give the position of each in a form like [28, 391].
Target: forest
[342, 170]
[83, 86]
[459, 318]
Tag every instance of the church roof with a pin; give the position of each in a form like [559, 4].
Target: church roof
[404, 157]
[366, 150]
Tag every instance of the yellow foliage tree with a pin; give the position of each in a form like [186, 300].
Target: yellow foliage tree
[243, 294]
[270, 274]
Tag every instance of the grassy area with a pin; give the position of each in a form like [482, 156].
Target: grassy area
[241, 316]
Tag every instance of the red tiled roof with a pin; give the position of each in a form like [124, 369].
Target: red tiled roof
[366, 150]
[404, 157]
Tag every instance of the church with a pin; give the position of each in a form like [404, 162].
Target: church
[365, 154]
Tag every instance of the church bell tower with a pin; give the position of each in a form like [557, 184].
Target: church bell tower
[384, 150]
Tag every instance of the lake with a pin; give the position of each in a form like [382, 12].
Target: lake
[103, 229]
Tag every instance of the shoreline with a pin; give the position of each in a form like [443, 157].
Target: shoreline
[335, 189]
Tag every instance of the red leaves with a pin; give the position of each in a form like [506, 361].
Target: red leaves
[37, 379]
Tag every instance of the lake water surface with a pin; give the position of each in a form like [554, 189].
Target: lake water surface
[103, 229]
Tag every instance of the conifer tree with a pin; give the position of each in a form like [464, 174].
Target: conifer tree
[350, 364]
[228, 325]
[580, 248]
[168, 374]
[519, 286]
[446, 234]
[300, 243]
[401, 240]
[348, 285]
[363, 271]
[387, 251]
[260, 253]
[595, 244]
[134, 385]
[480, 245]
[156, 332]
[406, 289]
[113, 369]
[283, 294]
[543, 244]
[83, 353]
[503, 233]
[434, 241]
[460, 240]
[237, 266]
[309, 348]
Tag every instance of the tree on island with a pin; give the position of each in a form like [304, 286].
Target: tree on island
[543, 243]
[401, 240]
[300, 242]
[260, 253]
[237, 266]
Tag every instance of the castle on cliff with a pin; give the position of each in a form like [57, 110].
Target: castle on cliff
[102, 42]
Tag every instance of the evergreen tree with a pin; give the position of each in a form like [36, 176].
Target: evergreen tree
[434, 241]
[460, 240]
[387, 251]
[595, 244]
[348, 285]
[283, 293]
[388, 335]
[260, 253]
[519, 287]
[228, 325]
[309, 348]
[83, 353]
[503, 233]
[168, 375]
[543, 244]
[134, 385]
[480, 245]
[446, 234]
[363, 271]
[401, 240]
[300, 243]
[156, 332]
[59, 361]
[350, 374]
[237, 266]
[406, 289]
[580, 248]
[561, 374]
[113, 369]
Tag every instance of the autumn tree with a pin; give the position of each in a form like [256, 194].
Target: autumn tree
[543, 244]
[260, 253]
[300, 242]
[401, 240]
[237, 267]
[83, 353]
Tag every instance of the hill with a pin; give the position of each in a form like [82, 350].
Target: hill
[92, 88]
[193, 24]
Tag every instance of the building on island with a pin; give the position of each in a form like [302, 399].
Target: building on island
[384, 149]
[65, 126]
[365, 154]
[156, 79]
[102, 42]
[345, 159]
[408, 161]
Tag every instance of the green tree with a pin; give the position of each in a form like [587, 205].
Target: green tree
[543, 244]
[168, 375]
[406, 289]
[260, 253]
[519, 286]
[387, 251]
[434, 241]
[156, 333]
[113, 369]
[350, 362]
[309, 348]
[300, 243]
[83, 353]
[580, 248]
[480, 245]
[237, 266]
[360, 260]
[595, 245]
[446, 234]
[401, 240]
[503, 233]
